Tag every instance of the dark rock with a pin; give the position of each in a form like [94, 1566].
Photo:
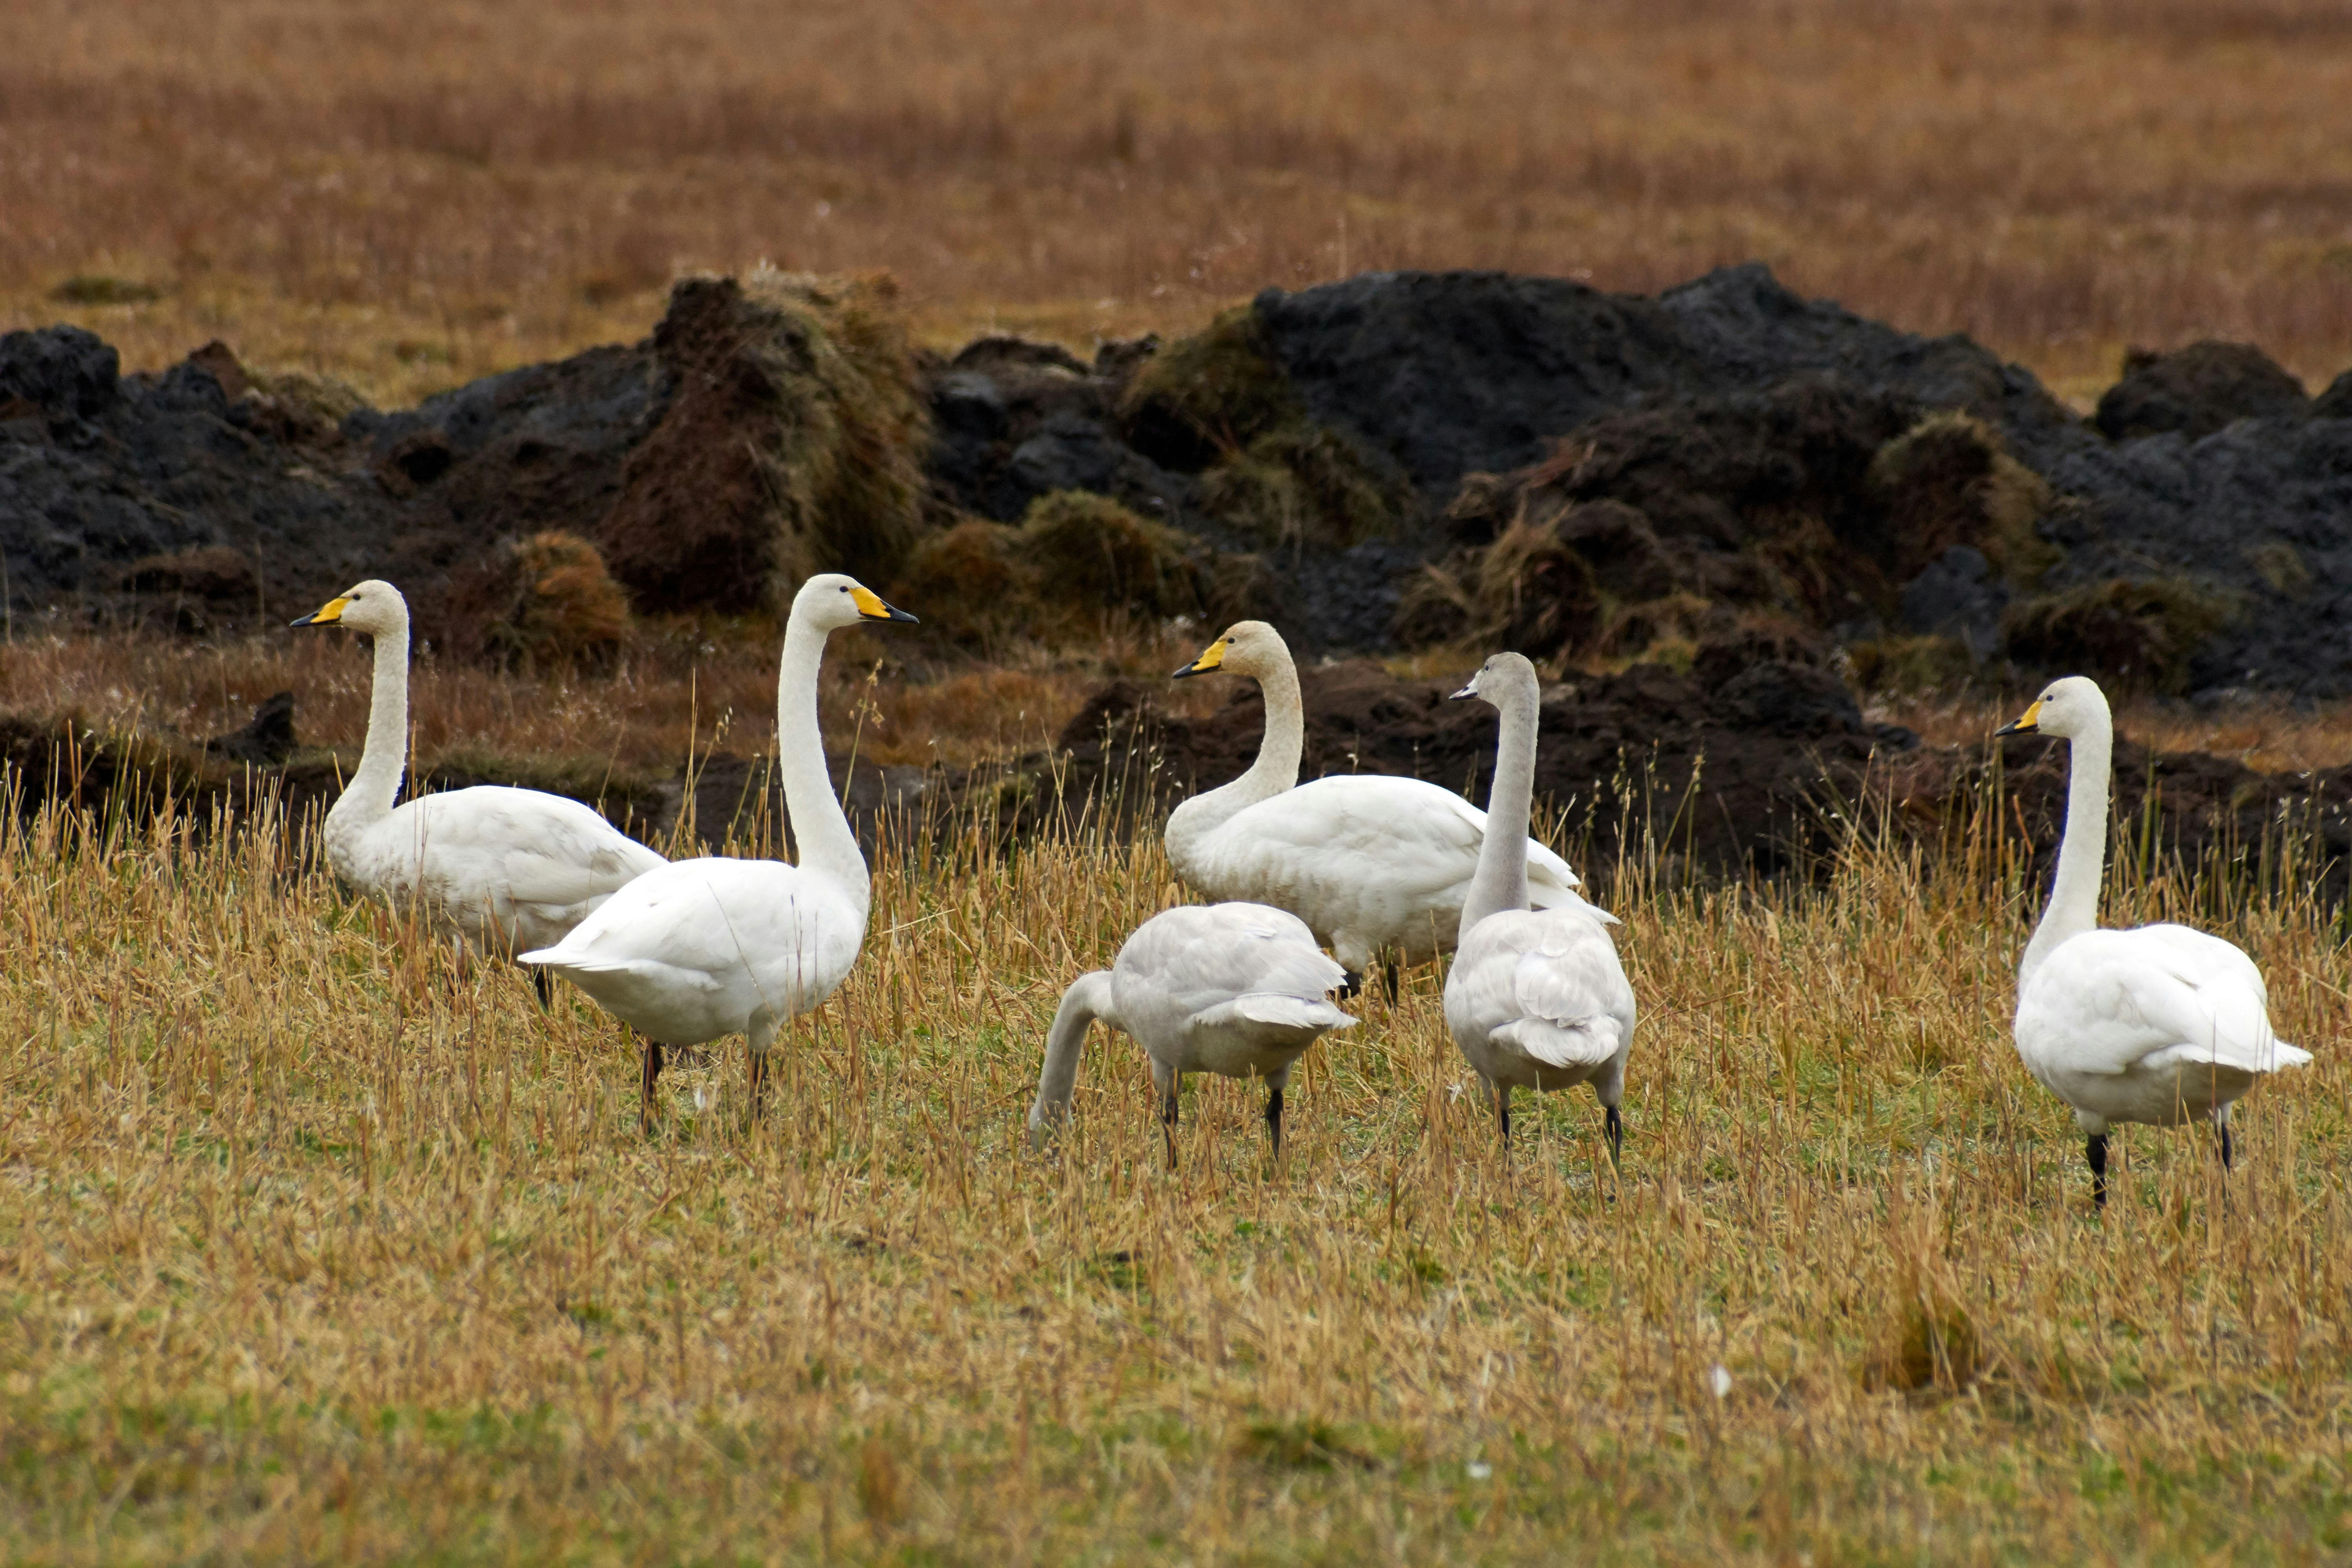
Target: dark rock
[1958, 595]
[266, 741]
[2197, 391]
[2335, 402]
[65, 372]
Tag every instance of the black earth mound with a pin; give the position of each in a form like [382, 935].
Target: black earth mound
[1362, 453]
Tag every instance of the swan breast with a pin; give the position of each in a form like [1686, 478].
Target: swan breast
[699, 948]
[2156, 1023]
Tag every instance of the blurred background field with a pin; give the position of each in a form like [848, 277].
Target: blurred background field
[410, 197]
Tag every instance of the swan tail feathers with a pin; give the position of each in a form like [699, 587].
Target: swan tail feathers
[564, 962]
[1588, 1042]
[1545, 896]
[1276, 1011]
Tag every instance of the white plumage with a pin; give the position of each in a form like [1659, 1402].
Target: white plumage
[2159, 1024]
[1236, 989]
[1371, 862]
[1536, 998]
[702, 949]
[507, 869]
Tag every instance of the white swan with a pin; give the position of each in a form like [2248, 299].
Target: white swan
[508, 869]
[2158, 1024]
[705, 948]
[1535, 998]
[1371, 862]
[1239, 990]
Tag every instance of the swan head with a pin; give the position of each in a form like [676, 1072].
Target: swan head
[1247, 648]
[2068, 707]
[832, 600]
[1504, 679]
[373, 606]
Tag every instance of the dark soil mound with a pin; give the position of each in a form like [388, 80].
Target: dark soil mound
[794, 446]
[1725, 445]
[1462, 371]
[2197, 391]
[166, 498]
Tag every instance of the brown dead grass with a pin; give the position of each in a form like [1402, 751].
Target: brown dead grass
[413, 196]
[674, 689]
[313, 1250]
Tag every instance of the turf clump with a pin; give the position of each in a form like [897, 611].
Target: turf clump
[550, 604]
[1075, 562]
[1305, 485]
[2136, 633]
[1208, 395]
[1949, 480]
[792, 445]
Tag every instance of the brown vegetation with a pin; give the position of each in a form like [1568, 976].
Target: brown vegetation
[321, 1249]
[407, 198]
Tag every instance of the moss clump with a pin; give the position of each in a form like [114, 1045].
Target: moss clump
[1912, 664]
[1208, 395]
[1530, 591]
[1075, 560]
[1301, 1446]
[845, 470]
[553, 603]
[2137, 633]
[2281, 565]
[1949, 481]
[1928, 1344]
[1309, 485]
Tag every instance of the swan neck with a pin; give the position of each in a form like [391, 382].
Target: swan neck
[1088, 999]
[368, 797]
[1274, 771]
[2074, 906]
[1501, 880]
[821, 834]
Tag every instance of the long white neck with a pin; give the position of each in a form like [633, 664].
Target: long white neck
[820, 832]
[1088, 999]
[2074, 906]
[1501, 880]
[368, 798]
[1274, 771]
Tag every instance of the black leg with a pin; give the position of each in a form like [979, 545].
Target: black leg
[1615, 1126]
[1168, 1116]
[545, 983]
[759, 1082]
[2223, 1129]
[2094, 1151]
[1503, 1112]
[1393, 973]
[652, 1072]
[1273, 1118]
[1350, 986]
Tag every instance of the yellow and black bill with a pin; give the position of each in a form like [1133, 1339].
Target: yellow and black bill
[873, 606]
[1212, 657]
[326, 615]
[2026, 723]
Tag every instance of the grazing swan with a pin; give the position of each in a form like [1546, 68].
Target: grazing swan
[1537, 997]
[1239, 990]
[2158, 1024]
[510, 869]
[1371, 862]
[701, 949]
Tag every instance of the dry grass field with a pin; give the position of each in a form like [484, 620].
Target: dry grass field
[413, 195]
[315, 1248]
